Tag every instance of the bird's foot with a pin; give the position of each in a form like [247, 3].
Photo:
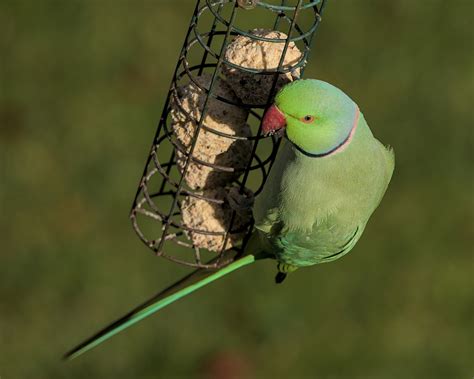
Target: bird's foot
[283, 270]
[280, 277]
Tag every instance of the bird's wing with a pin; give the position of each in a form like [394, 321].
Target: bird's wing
[326, 241]
[323, 244]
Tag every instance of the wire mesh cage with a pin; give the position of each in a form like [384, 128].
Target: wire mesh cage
[209, 158]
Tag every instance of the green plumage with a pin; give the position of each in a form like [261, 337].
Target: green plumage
[313, 208]
[328, 178]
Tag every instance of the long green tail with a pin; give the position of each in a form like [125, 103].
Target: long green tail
[176, 291]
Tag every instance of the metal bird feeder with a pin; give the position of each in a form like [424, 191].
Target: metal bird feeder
[208, 88]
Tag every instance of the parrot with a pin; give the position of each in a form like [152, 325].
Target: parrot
[329, 176]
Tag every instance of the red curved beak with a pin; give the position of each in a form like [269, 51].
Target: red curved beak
[273, 120]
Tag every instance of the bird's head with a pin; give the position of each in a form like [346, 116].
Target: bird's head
[318, 118]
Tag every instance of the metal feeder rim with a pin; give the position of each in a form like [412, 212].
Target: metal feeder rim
[179, 147]
[286, 68]
[237, 31]
[247, 34]
[190, 118]
[245, 105]
[286, 7]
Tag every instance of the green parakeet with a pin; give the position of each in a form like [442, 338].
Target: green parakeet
[329, 176]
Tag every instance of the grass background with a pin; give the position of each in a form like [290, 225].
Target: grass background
[82, 85]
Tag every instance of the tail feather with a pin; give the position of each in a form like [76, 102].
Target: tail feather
[176, 291]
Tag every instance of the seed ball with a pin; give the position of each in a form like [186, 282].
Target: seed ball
[210, 147]
[252, 88]
[209, 216]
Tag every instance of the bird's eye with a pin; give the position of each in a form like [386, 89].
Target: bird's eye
[307, 119]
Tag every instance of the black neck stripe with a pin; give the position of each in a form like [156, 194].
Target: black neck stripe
[311, 155]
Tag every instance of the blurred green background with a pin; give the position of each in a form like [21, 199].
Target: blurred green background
[82, 84]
